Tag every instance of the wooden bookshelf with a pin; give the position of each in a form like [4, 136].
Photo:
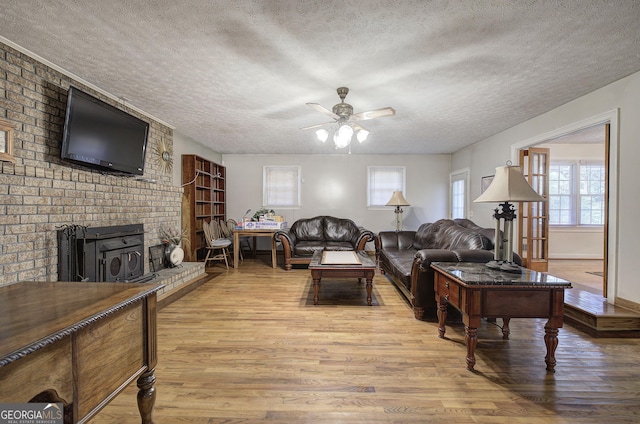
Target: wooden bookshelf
[203, 200]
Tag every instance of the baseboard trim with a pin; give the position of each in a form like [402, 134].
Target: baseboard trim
[627, 304]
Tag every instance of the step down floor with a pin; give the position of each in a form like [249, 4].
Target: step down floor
[591, 313]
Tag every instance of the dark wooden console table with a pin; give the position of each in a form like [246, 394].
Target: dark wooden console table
[78, 343]
[477, 292]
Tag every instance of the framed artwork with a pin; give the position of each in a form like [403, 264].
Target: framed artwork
[485, 182]
[6, 141]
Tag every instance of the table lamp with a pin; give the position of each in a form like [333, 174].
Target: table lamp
[508, 185]
[398, 200]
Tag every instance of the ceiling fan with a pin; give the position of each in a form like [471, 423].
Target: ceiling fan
[346, 120]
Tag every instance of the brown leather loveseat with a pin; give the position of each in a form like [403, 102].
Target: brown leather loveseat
[405, 257]
[320, 233]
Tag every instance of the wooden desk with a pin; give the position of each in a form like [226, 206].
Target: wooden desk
[478, 291]
[78, 343]
[253, 233]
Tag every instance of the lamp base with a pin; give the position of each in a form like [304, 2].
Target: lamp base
[494, 264]
[504, 266]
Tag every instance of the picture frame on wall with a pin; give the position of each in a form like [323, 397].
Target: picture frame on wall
[485, 182]
[6, 141]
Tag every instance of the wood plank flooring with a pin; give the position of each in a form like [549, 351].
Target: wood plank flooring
[249, 346]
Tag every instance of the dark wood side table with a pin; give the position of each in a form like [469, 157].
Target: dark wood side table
[78, 343]
[478, 291]
[366, 269]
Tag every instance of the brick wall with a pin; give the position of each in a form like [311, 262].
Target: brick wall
[40, 192]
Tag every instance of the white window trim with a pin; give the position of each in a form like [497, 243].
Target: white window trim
[264, 187]
[403, 188]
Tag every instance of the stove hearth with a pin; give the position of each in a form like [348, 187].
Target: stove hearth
[102, 254]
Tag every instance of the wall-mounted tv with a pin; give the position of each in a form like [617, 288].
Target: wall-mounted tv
[103, 136]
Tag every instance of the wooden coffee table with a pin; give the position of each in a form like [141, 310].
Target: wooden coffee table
[342, 265]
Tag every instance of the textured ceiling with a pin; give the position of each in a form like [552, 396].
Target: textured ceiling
[235, 75]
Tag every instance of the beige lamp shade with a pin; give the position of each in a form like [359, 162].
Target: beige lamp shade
[509, 185]
[397, 199]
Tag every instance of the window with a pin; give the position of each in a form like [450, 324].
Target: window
[459, 183]
[382, 182]
[281, 187]
[576, 193]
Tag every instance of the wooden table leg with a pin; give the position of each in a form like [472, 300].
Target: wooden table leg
[146, 395]
[471, 340]
[369, 287]
[236, 247]
[505, 328]
[442, 317]
[316, 275]
[274, 259]
[551, 341]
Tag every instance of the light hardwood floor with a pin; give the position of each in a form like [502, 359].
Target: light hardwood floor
[580, 272]
[249, 346]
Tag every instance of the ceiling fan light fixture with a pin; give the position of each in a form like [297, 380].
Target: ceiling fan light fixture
[322, 135]
[362, 135]
[342, 137]
[346, 120]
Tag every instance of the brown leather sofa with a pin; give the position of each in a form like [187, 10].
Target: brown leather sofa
[306, 236]
[405, 257]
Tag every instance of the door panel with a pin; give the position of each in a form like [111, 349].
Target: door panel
[533, 219]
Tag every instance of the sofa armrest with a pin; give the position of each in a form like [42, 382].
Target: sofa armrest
[364, 236]
[287, 238]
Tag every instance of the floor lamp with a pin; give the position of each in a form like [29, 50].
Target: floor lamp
[398, 200]
[508, 185]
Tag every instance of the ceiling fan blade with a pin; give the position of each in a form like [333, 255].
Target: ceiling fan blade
[324, 110]
[359, 127]
[371, 114]
[317, 126]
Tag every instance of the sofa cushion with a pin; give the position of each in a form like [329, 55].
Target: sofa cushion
[307, 247]
[421, 237]
[340, 230]
[311, 229]
[447, 234]
[338, 245]
[398, 262]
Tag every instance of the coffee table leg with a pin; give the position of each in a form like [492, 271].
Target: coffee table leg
[369, 287]
[316, 289]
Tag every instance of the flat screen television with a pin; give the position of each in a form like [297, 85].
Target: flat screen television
[102, 136]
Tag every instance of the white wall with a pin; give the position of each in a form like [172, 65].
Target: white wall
[337, 185]
[183, 145]
[624, 232]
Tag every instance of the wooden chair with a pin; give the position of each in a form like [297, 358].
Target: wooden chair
[217, 247]
[227, 232]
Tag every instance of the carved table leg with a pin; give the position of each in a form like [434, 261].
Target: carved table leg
[505, 328]
[442, 317]
[369, 287]
[146, 395]
[316, 289]
[471, 339]
[551, 341]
